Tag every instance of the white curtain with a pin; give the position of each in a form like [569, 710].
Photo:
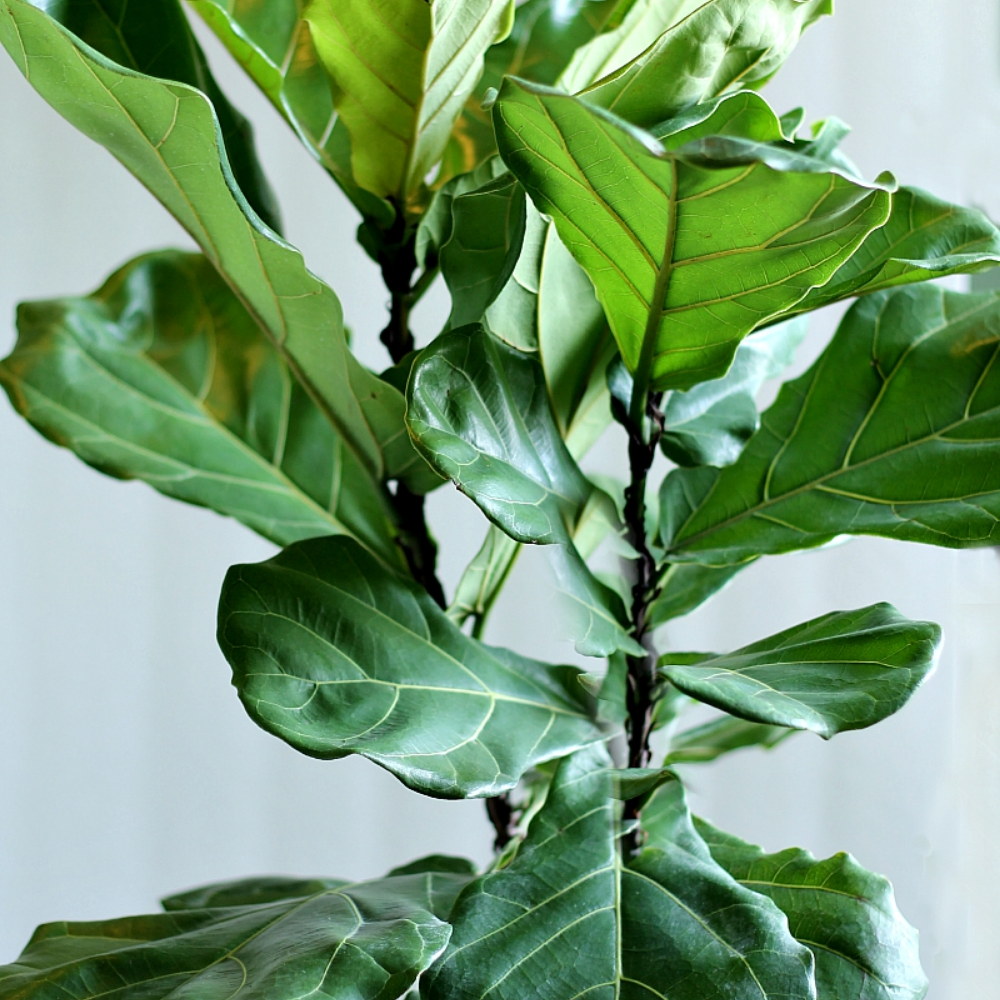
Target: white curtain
[127, 766]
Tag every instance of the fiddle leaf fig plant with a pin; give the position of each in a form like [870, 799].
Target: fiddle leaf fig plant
[630, 234]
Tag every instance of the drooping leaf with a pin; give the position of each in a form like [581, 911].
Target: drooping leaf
[162, 375]
[273, 43]
[893, 432]
[250, 892]
[845, 914]
[565, 918]
[166, 134]
[667, 56]
[370, 939]
[400, 74]
[714, 739]
[156, 39]
[711, 423]
[845, 670]
[479, 413]
[690, 249]
[336, 654]
[686, 586]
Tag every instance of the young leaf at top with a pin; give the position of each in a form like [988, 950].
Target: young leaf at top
[846, 915]
[162, 375]
[667, 56]
[336, 654]
[401, 72]
[711, 423]
[166, 134]
[893, 432]
[714, 739]
[689, 249]
[369, 939]
[479, 413]
[566, 918]
[844, 670]
[272, 42]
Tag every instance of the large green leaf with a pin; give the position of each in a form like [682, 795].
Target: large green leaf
[156, 39]
[844, 670]
[479, 412]
[711, 423]
[162, 375]
[668, 55]
[565, 918]
[689, 249]
[336, 654]
[846, 915]
[401, 72]
[892, 432]
[368, 940]
[273, 43]
[166, 133]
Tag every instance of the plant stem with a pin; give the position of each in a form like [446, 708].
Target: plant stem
[641, 683]
[398, 260]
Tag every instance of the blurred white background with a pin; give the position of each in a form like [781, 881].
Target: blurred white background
[127, 767]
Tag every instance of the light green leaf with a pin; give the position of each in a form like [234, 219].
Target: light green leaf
[273, 43]
[167, 135]
[479, 412]
[845, 670]
[370, 939]
[892, 432]
[686, 586]
[336, 654]
[668, 55]
[565, 918]
[162, 376]
[250, 892]
[401, 72]
[689, 250]
[711, 423]
[483, 578]
[845, 914]
[714, 739]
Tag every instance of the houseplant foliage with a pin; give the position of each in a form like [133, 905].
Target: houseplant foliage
[629, 233]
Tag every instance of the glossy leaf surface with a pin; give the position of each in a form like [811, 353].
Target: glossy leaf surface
[336, 654]
[273, 43]
[479, 412]
[162, 375]
[711, 423]
[165, 133]
[845, 914]
[844, 670]
[401, 73]
[715, 739]
[689, 251]
[367, 940]
[687, 52]
[564, 918]
[892, 432]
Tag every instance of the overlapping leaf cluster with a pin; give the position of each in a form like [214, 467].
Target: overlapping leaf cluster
[628, 232]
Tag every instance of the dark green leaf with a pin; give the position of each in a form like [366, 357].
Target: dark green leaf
[369, 940]
[565, 919]
[479, 412]
[844, 670]
[163, 376]
[668, 56]
[155, 39]
[711, 423]
[166, 134]
[686, 586]
[714, 739]
[846, 915]
[399, 91]
[893, 432]
[250, 892]
[689, 251]
[442, 863]
[336, 654]
[272, 42]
